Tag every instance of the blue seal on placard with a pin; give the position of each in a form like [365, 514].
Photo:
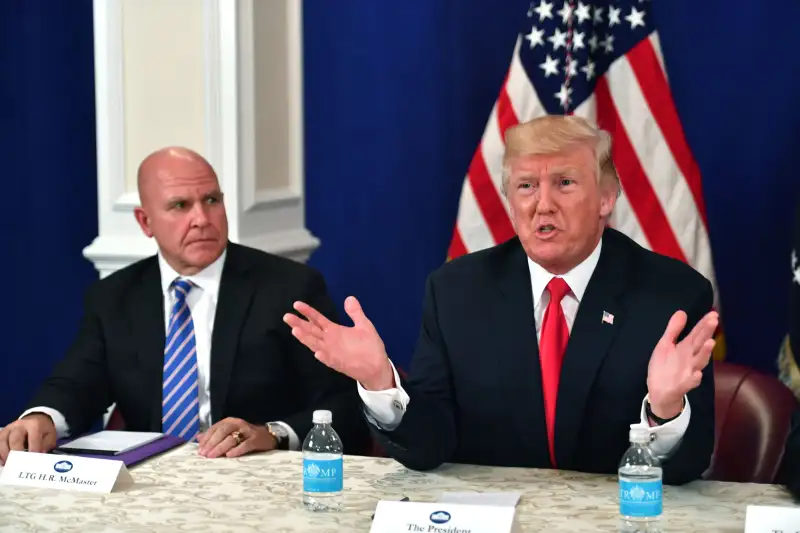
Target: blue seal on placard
[62, 467]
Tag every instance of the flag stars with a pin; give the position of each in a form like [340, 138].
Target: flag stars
[535, 37]
[608, 44]
[635, 18]
[558, 39]
[565, 12]
[545, 10]
[571, 68]
[588, 69]
[577, 40]
[550, 66]
[598, 15]
[593, 45]
[564, 96]
[582, 13]
[613, 16]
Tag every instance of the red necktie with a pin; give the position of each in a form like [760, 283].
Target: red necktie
[552, 346]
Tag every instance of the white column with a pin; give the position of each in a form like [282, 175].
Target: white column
[223, 77]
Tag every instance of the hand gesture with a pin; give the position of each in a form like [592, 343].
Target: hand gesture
[675, 369]
[357, 352]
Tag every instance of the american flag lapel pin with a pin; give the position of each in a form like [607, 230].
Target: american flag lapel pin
[608, 318]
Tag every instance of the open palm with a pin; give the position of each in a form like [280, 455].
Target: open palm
[675, 368]
[356, 351]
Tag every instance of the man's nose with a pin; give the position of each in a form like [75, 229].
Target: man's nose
[545, 203]
[199, 215]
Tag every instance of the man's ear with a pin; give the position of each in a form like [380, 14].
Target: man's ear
[143, 220]
[608, 199]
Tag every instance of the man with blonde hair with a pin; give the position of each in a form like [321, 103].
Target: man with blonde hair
[544, 350]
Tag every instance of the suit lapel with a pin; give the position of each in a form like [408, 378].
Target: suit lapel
[235, 293]
[588, 344]
[147, 320]
[516, 329]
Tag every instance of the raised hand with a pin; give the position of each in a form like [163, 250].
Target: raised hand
[356, 351]
[677, 368]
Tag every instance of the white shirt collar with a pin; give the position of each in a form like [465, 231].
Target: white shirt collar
[577, 278]
[207, 279]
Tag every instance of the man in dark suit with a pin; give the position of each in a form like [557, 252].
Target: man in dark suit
[190, 342]
[493, 379]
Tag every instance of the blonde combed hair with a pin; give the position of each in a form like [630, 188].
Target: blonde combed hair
[553, 134]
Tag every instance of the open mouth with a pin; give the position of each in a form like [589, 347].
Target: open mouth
[546, 231]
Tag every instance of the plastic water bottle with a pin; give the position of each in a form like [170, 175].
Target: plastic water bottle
[640, 504]
[323, 478]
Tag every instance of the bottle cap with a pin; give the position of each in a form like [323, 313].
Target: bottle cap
[639, 434]
[323, 417]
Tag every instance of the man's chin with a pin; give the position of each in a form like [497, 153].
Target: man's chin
[203, 252]
[549, 255]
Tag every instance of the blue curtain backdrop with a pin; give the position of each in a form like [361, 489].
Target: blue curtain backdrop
[47, 156]
[735, 72]
[397, 97]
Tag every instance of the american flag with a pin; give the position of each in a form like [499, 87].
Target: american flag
[600, 60]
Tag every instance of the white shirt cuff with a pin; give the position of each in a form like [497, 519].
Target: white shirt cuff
[62, 429]
[669, 435]
[385, 408]
[294, 442]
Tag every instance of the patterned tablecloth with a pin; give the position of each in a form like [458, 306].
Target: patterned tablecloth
[181, 491]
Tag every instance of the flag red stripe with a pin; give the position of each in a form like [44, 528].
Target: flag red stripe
[506, 117]
[457, 247]
[655, 88]
[488, 199]
[635, 183]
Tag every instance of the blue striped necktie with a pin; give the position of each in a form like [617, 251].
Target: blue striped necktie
[180, 407]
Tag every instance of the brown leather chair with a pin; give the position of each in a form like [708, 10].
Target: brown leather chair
[753, 417]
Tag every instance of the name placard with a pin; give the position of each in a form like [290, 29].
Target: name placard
[65, 472]
[767, 519]
[417, 517]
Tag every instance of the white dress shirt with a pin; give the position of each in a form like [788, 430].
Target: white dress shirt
[202, 302]
[386, 408]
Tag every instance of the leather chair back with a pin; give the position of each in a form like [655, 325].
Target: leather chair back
[753, 419]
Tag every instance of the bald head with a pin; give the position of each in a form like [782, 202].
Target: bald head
[182, 208]
[167, 163]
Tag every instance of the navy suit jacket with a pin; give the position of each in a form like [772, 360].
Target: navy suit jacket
[475, 379]
[259, 372]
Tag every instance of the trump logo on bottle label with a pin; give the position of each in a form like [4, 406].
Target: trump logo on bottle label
[322, 475]
[640, 498]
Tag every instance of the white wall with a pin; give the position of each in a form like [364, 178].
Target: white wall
[223, 77]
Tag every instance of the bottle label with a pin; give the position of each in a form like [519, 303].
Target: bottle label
[322, 475]
[640, 498]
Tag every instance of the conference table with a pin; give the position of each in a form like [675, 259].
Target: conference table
[181, 491]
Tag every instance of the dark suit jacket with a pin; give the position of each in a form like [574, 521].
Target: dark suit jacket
[475, 378]
[259, 372]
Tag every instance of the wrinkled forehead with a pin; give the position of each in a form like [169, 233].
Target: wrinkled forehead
[576, 160]
[187, 179]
